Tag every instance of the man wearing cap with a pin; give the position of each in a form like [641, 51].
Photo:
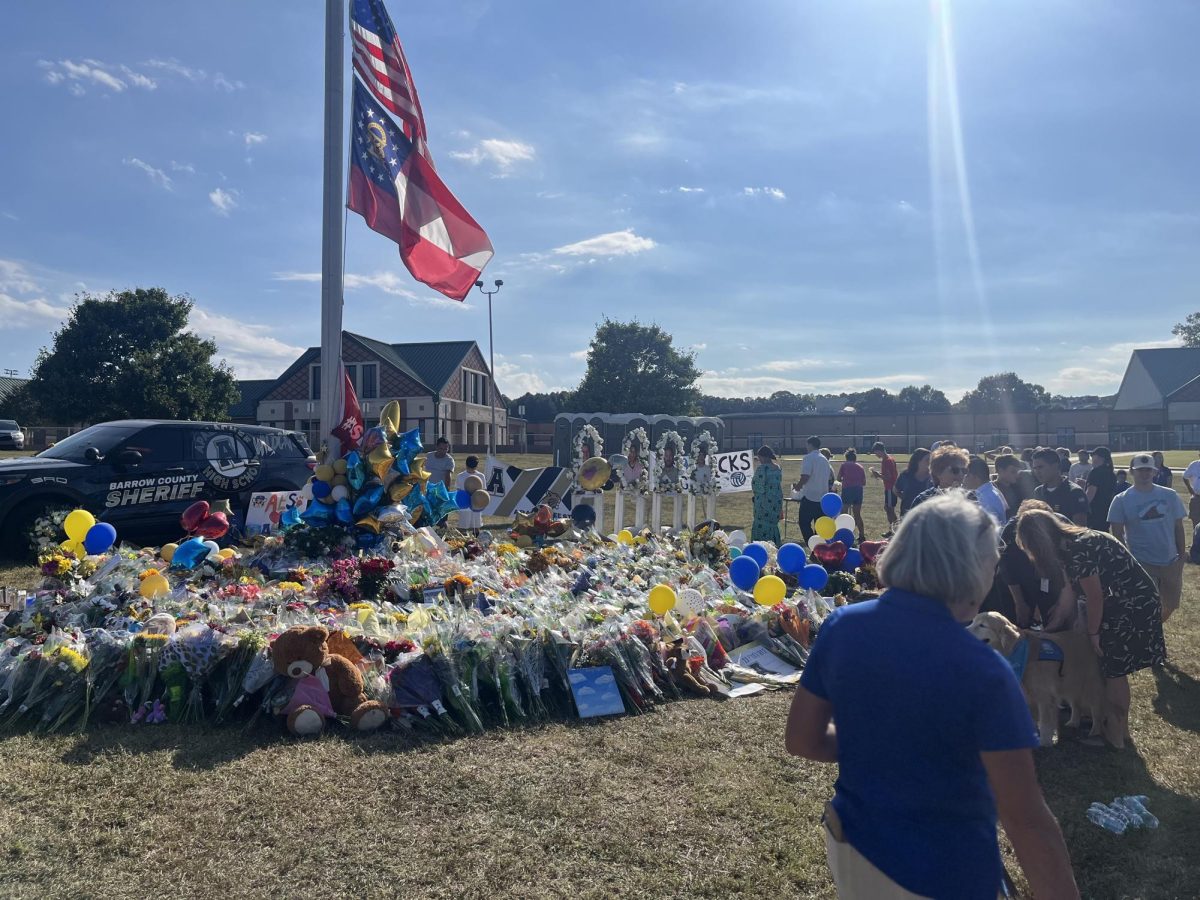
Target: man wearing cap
[1064, 498]
[1148, 518]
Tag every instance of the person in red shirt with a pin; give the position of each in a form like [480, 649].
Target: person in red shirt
[854, 479]
[888, 473]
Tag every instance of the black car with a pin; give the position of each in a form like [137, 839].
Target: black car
[140, 475]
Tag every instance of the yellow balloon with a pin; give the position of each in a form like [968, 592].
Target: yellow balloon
[825, 527]
[625, 536]
[389, 418]
[769, 590]
[226, 553]
[167, 552]
[77, 523]
[339, 481]
[324, 473]
[340, 466]
[154, 586]
[662, 598]
[398, 490]
[419, 471]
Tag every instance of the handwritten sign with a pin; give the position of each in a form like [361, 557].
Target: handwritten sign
[266, 508]
[735, 469]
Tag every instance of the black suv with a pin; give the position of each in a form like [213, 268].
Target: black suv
[140, 475]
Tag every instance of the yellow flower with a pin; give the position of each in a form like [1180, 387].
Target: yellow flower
[506, 549]
[144, 575]
[360, 606]
[73, 658]
[290, 586]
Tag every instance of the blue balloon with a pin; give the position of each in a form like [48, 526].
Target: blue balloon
[321, 489]
[356, 472]
[342, 512]
[853, 560]
[409, 444]
[831, 505]
[99, 538]
[462, 499]
[791, 558]
[845, 535]
[400, 464]
[756, 552]
[735, 552]
[368, 500]
[583, 515]
[744, 572]
[317, 514]
[290, 518]
[813, 577]
[189, 553]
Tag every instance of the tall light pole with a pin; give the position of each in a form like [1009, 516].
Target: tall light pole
[491, 364]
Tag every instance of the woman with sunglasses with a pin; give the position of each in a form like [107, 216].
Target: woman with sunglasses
[948, 467]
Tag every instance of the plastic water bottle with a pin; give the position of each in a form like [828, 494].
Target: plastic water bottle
[1138, 804]
[1100, 815]
[1120, 808]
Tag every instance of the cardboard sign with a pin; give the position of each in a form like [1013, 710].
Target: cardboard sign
[735, 469]
[517, 490]
[267, 506]
[757, 657]
[595, 691]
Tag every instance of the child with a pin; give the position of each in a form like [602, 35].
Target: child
[468, 519]
[853, 478]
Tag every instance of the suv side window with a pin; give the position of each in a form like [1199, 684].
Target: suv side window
[157, 444]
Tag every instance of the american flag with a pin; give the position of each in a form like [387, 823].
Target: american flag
[380, 63]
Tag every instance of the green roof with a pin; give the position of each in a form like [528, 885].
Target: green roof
[1170, 368]
[435, 362]
[8, 384]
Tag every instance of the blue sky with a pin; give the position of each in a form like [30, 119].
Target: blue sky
[815, 196]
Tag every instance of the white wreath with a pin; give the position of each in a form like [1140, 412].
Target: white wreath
[586, 433]
[642, 482]
[711, 484]
[663, 482]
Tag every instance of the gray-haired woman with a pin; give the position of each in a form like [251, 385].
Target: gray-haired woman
[933, 736]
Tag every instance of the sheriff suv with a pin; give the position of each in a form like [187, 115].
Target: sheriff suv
[140, 475]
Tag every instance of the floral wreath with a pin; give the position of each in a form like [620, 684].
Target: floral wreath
[586, 433]
[661, 482]
[642, 484]
[713, 485]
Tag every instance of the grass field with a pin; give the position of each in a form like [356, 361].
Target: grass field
[696, 799]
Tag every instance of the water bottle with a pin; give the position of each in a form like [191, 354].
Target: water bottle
[1138, 804]
[1120, 808]
[1099, 815]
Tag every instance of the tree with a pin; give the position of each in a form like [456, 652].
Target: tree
[1005, 392]
[635, 368]
[1189, 330]
[125, 356]
[913, 399]
[873, 402]
[541, 407]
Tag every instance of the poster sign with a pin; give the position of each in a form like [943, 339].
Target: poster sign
[267, 506]
[735, 469]
[595, 691]
[517, 490]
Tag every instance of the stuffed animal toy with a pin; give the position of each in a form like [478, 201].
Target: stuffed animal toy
[680, 667]
[327, 685]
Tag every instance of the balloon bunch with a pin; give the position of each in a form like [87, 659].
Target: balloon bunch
[663, 598]
[833, 544]
[382, 482]
[204, 524]
[86, 536]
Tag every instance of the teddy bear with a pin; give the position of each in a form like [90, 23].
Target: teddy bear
[327, 685]
[678, 664]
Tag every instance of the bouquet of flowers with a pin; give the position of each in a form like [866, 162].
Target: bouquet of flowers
[197, 649]
[373, 574]
[109, 652]
[233, 670]
[141, 669]
[69, 688]
[454, 688]
[529, 666]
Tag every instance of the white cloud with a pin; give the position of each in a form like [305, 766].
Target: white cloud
[773, 192]
[158, 176]
[614, 243]
[228, 85]
[175, 67]
[223, 200]
[682, 189]
[25, 312]
[699, 347]
[1098, 369]
[253, 137]
[92, 72]
[387, 282]
[251, 349]
[15, 277]
[186, 168]
[579, 354]
[504, 155]
[514, 381]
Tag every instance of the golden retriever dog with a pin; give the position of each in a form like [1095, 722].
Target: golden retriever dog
[1074, 678]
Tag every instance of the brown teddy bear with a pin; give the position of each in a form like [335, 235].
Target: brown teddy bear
[675, 657]
[327, 685]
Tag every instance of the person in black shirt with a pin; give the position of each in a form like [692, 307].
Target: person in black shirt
[1051, 599]
[1101, 488]
[1013, 482]
[1064, 498]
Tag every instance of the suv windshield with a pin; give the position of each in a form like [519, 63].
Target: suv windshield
[102, 437]
[8, 425]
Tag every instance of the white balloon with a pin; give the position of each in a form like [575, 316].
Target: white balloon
[815, 540]
[845, 520]
[214, 549]
[341, 492]
[690, 601]
[737, 539]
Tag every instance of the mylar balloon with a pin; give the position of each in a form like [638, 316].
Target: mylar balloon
[472, 483]
[356, 472]
[213, 526]
[214, 550]
[392, 515]
[99, 537]
[735, 552]
[830, 555]
[370, 498]
[543, 516]
[756, 552]
[813, 577]
[389, 418]
[342, 512]
[189, 553]
[825, 527]
[831, 505]
[78, 523]
[872, 549]
[372, 438]
[167, 552]
[583, 515]
[480, 500]
[154, 586]
[744, 572]
[662, 598]
[853, 560]
[410, 444]
[193, 515]
[462, 498]
[791, 558]
[845, 535]
[769, 590]
[290, 518]
[845, 520]
[318, 514]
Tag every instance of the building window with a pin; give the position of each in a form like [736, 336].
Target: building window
[1066, 438]
[475, 387]
[1187, 436]
[315, 385]
[352, 374]
[484, 389]
[466, 386]
[369, 384]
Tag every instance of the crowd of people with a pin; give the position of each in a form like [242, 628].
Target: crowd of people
[930, 755]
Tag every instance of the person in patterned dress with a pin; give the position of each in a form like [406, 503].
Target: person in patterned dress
[768, 497]
[1124, 611]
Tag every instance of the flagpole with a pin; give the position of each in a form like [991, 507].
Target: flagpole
[491, 364]
[332, 224]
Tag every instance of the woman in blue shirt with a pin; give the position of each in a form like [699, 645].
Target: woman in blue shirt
[928, 726]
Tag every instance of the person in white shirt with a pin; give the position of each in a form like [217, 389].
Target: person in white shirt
[1148, 519]
[468, 519]
[1081, 470]
[1191, 477]
[815, 475]
[979, 480]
